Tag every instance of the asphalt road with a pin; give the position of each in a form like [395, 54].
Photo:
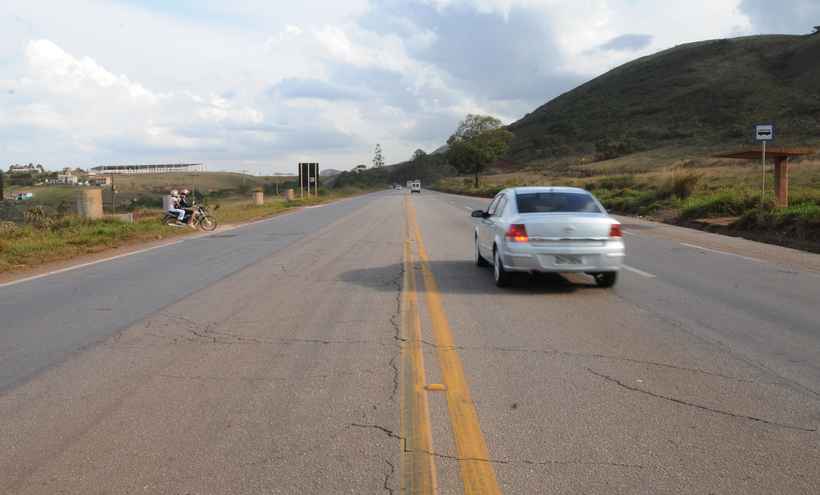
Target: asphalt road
[355, 348]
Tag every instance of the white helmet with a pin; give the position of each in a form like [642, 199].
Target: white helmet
[174, 192]
[185, 192]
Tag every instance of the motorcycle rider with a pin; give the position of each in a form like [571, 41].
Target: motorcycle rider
[186, 204]
[174, 206]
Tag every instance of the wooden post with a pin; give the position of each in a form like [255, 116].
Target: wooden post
[781, 182]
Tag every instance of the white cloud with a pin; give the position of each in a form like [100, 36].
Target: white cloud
[62, 73]
[238, 84]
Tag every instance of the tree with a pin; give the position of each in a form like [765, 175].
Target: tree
[479, 141]
[378, 158]
[418, 155]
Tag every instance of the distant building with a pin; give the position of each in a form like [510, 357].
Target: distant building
[67, 178]
[164, 168]
[25, 169]
[100, 181]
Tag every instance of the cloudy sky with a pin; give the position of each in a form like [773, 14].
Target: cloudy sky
[259, 85]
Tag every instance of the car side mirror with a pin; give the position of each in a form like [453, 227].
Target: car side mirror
[479, 214]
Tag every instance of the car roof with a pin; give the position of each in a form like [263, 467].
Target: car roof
[537, 189]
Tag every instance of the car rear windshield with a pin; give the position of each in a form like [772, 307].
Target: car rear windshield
[556, 202]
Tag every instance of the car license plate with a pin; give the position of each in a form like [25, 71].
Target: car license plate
[565, 259]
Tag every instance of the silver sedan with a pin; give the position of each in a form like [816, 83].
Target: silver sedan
[548, 229]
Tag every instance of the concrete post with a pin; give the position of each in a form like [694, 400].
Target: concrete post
[90, 203]
[291, 195]
[258, 198]
[781, 182]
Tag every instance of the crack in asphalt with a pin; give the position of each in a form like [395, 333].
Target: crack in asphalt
[597, 356]
[387, 477]
[699, 406]
[224, 338]
[725, 347]
[509, 462]
[395, 318]
[395, 390]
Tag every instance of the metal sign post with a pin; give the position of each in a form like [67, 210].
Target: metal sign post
[308, 174]
[763, 134]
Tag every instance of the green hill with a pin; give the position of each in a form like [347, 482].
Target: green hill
[706, 94]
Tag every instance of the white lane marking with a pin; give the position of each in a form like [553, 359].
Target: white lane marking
[84, 265]
[695, 246]
[629, 232]
[315, 206]
[639, 272]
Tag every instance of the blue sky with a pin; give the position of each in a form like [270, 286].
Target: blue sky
[261, 85]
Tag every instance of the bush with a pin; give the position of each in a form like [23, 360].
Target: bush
[680, 185]
[630, 201]
[723, 204]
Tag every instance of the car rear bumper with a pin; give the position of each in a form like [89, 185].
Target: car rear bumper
[607, 257]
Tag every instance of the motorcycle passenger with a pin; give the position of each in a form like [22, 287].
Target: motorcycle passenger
[174, 206]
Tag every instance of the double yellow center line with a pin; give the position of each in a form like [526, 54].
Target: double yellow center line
[418, 466]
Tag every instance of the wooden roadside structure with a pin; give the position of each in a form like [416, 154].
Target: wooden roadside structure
[781, 157]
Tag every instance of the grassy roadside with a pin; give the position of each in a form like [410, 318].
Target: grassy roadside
[722, 198]
[42, 240]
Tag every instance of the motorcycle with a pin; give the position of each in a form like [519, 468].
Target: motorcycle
[199, 217]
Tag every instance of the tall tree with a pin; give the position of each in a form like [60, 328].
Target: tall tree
[479, 141]
[419, 154]
[378, 158]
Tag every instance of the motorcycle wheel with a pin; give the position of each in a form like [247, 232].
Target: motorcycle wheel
[207, 223]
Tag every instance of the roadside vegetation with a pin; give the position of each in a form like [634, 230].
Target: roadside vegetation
[717, 195]
[44, 235]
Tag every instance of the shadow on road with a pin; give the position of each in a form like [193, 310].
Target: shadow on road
[463, 277]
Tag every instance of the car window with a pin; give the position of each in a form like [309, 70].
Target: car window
[499, 209]
[493, 205]
[556, 202]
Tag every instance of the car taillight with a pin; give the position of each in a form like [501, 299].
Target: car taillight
[517, 233]
[615, 230]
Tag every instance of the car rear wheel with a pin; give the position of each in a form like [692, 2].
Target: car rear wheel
[605, 279]
[502, 277]
[479, 260]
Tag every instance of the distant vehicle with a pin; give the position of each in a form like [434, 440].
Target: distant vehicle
[397, 187]
[24, 196]
[548, 229]
[415, 187]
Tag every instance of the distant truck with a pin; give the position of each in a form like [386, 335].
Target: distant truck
[24, 196]
[415, 187]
